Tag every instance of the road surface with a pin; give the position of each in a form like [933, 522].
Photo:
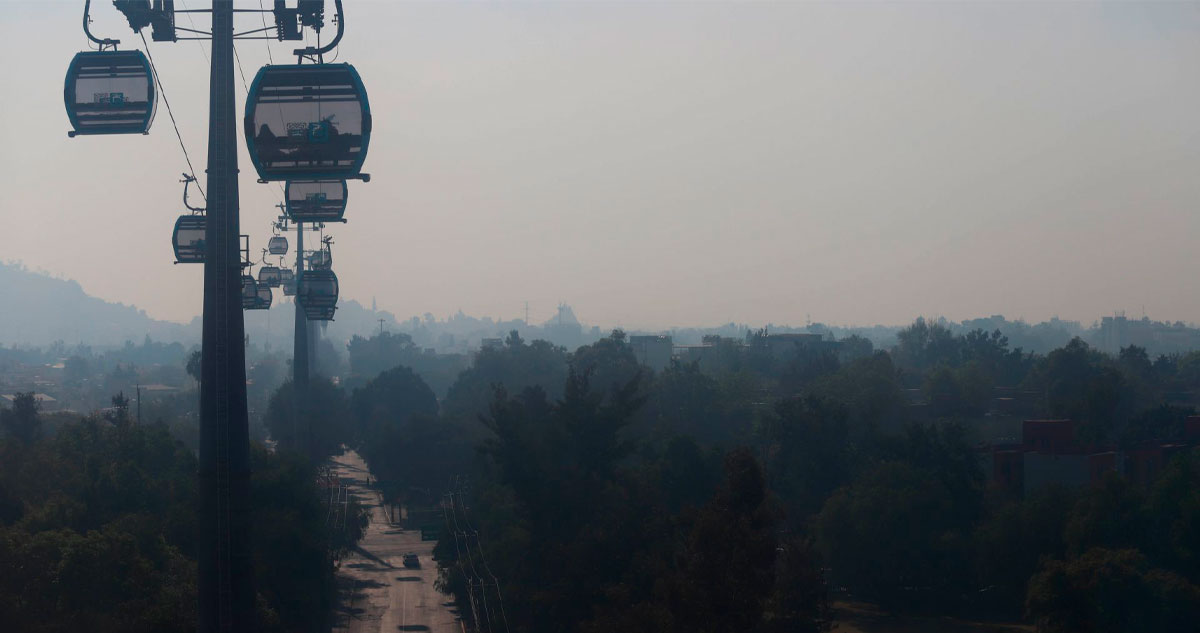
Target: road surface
[378, 594]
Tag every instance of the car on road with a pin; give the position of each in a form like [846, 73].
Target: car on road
[411, 561]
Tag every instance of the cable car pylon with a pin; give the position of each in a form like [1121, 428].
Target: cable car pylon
[115, 92]
[225, 559]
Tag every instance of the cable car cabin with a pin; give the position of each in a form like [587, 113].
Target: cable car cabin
[307, 121]
[287, 280]
[277, 245]
[316, 200]
[317, 293]
[263, 300]
[188, 239]
[269, 277]
[110, 92]
[320, 314]
[320, 260]
[249, 292]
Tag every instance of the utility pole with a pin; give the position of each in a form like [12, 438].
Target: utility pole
[380, 327]
[225, 565]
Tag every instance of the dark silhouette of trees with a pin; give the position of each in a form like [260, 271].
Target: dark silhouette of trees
[22, 422]
[324, 426]
[410, 449]
[97, 533]
[596, 531]
[1111, 591]
[515, 366]
[729, 566]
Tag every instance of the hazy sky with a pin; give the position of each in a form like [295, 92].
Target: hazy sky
[672, 163]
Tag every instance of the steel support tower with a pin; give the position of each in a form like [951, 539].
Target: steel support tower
[225, 562]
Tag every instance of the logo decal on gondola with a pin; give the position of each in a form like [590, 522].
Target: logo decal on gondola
[318, 132]
[314, 132]
[109, 98]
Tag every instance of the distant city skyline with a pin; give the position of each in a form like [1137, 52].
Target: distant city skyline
[665, 164]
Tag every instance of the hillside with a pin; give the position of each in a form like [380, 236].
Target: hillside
[40, 309]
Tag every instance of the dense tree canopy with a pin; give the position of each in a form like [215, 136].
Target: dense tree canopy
[97, 533]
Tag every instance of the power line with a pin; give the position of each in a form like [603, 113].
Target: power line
[459, 555]
[246, 89]
[158, 80]
[199, 43]
[487, 568]
[245, 86]
[471, 531]
[262, 14]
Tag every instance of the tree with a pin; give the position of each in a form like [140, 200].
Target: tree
[515, 366]
[893, 536]
[104, 538]
[609, 363]
[684, 401]
[76, 369]
[194, 366]
[392, 397]
[1173, 507]
[799, 602]
[1111, 591]
[943, 392]
[22, 421]
[553, 506]
[1082, 384]
[401, 437]
[294, 541]
[1012, 542]
[118, 414]
[870, 390]
[324, 426]
[854, 347]
[808, 452]
[729, 569]
[924, 344]
[380, 352]
[1135, 361]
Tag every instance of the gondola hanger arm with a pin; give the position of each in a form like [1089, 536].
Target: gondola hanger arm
[87, 18]
[316, 54]
[187, 180]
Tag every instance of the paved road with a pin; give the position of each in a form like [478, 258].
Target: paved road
[378, 594]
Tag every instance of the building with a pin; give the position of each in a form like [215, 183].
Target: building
[44, 401]
[653, 351]
[1049, 453]
[787, 346]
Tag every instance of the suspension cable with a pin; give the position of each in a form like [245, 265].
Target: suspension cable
[263, 14]
[246, 89]
[199, 42]
[245, 86]
[158, 80]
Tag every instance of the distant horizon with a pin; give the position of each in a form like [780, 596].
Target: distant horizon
[400, 320]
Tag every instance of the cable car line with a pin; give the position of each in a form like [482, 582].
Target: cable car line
[188, 12]
[154, 71]
[245, 86]
[115, 92]
[267, 43]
